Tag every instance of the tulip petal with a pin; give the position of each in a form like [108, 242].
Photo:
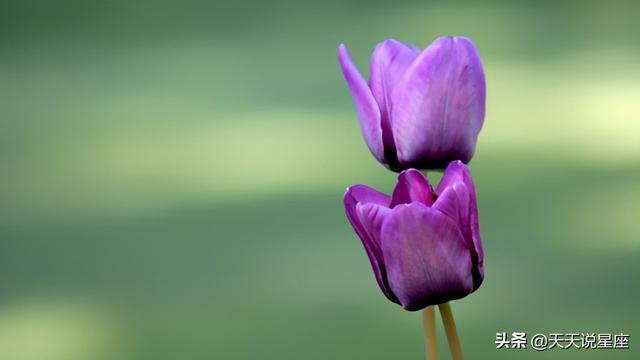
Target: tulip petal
[389, 61]
[412, 186]
[372, 216]
[426, 257]
[366, 209]
[457, 200]
[366, 106]
[439, 105]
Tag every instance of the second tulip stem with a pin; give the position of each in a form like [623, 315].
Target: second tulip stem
[431, 344]
[450, 330]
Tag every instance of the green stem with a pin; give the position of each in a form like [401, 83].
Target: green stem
[431, 344]
[450, 330]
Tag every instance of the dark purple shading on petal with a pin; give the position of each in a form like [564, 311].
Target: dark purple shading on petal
[439, 105]
[366, 106]
[426, 257]
[389, 61]
[412, 186]
[457, 200]
[366, 209]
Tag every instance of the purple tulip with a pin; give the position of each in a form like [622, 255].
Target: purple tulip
[420, 109]
[424, 245]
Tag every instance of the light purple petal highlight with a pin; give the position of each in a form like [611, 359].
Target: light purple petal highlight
[389, 61]
[439, 104]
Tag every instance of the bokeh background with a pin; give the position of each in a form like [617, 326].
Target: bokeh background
[171, 175]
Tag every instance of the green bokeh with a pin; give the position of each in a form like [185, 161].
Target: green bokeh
[171, 176]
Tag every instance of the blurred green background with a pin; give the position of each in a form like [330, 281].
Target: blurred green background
[171, 175]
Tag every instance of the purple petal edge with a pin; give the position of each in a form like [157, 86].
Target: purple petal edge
[358, 201]
[366, 106]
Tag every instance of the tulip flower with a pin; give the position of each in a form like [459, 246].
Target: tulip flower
[420, 109]
[424, 245]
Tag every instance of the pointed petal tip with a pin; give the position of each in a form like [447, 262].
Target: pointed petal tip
[440, 40]
[408, 171]
[456, 166]
[463, 40]
[360, 193]
[344, 58]
[456, 163]
[390, 41]
[348, 192]
[356, 189]
[451, 41]
[454, 39]
[411, 175]
[343, 55]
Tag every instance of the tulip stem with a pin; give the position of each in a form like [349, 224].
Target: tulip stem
[450, 330]
[429, 320]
